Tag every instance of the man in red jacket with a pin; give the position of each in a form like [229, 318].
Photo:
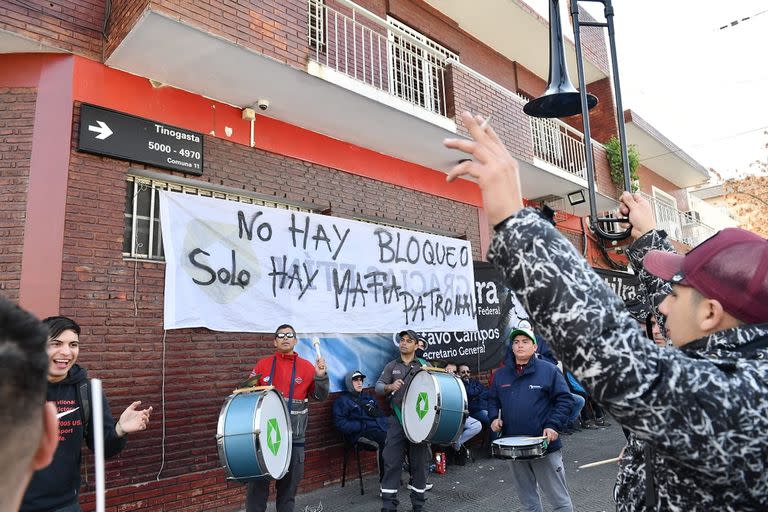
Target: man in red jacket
[298, 381]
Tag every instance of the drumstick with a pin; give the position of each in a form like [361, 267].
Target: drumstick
[98, 442]
[538, 438]
[316, 344]
[600, 463]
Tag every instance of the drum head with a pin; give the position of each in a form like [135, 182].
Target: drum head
[419, 406]
[273, 425]
[517, 441]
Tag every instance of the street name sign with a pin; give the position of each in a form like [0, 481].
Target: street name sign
[108, 132]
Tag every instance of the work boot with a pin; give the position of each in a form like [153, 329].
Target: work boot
[600, 422]
[461, 456]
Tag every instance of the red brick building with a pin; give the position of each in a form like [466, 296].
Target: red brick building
[360, 96]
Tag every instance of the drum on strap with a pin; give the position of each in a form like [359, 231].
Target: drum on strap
[519, 448]
[434, 407]
[254, 435]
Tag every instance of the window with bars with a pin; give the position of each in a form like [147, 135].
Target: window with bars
[316, 24]
[142, 238]
[417, 75]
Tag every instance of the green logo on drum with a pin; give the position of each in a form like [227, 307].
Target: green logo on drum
[273, 436]
[422, 405]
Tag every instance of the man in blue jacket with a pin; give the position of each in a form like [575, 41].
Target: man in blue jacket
[534, 401]
[477, 396]
[358, 417]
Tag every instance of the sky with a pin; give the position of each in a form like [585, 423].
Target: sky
[704, 87]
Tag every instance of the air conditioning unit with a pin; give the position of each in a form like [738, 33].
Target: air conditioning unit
[691, 217]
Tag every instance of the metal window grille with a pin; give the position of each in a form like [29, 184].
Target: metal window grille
[142, 237]
[417, 76]
[316, 24]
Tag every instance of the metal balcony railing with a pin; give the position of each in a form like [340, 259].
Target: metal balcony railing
[384, 55]
[560, 145]
[681, 226]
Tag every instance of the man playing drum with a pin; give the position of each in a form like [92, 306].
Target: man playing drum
[535, 402]
[392, 383]
[298, 381]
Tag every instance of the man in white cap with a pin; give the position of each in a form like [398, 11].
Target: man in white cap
[535, 402]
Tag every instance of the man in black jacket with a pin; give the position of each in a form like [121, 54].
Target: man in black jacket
[28, 433]
[57, 487]
[703, 408]
[358, 417]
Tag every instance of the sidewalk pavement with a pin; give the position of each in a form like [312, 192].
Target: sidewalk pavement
[485, 485]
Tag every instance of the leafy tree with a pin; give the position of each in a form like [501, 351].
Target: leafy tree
[747, 197]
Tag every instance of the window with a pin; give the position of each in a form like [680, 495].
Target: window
[416, 74]
[316, 23]
[667, 216]
[142, 237]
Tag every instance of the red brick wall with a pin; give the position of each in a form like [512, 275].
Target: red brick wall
[17, 118]
[123, 16]
[73, 26]
[509, 121]
[603, 173]
[602, 118]
[274, 28]
[122, 338]
[472, 52]
[528, 83]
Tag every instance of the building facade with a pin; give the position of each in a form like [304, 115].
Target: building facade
[331, 107]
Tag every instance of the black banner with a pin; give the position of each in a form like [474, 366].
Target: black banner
[497, 312]
[627, 287]
[107, 132]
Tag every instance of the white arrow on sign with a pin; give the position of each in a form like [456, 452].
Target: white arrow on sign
[102, 130]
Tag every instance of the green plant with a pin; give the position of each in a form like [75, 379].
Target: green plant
[613, 152]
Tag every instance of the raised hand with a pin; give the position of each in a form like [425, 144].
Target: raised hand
[639, 211]
[493, 167]
[133, 420]
[320, 367]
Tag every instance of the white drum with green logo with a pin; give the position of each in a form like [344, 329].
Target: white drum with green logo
[254, 436]
[434, 407]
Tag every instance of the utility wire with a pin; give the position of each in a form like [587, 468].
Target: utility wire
[742, 20]
[732, 136]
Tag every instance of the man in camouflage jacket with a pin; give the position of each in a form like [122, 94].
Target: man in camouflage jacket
[704, 408]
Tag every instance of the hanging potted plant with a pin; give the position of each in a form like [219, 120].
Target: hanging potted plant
[613, 152]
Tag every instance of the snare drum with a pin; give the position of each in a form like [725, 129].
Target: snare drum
[434, 407]
[519, 448]
[254, 436]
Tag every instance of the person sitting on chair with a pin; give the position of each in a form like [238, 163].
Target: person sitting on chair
[472, 427]
[358, 417]
[477, 396]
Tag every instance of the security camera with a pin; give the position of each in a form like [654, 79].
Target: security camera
[263, 104]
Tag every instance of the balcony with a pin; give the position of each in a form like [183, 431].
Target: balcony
[519, 30]
[372, 82]
[684, 227]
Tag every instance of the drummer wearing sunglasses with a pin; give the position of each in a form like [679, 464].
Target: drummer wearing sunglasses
[298, 381]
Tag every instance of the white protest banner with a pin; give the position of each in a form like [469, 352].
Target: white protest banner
[238, 267]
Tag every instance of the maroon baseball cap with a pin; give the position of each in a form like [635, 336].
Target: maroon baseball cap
[730, 267]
